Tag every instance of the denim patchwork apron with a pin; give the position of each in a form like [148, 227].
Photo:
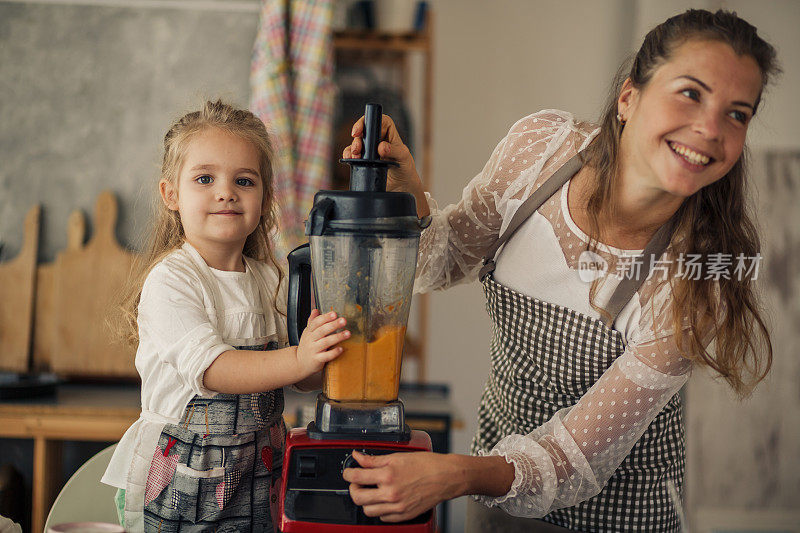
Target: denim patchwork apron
[218, 467]
[544, 357]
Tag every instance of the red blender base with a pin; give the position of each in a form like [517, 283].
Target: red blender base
[314, 497]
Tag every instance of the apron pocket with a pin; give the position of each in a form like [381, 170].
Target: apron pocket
[232, 493]
[194, 493]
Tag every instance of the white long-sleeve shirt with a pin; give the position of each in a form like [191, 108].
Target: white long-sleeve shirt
[569, 458]
[182, 330]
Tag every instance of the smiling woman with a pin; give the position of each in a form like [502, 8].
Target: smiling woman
[580, 421]
[680, 118]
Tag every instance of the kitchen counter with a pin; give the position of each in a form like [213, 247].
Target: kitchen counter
[102, 413]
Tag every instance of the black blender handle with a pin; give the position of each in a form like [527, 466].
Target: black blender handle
[373, 115]
[298, 307]
[368, 173]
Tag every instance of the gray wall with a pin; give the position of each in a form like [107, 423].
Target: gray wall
[87, 95]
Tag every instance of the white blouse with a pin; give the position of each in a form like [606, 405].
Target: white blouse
[569, 458]
[182, 330]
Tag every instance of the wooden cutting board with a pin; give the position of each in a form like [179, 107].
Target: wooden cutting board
[17, 286]
[44, 319]
[87, 282]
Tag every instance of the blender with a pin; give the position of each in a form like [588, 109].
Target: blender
[361, 257]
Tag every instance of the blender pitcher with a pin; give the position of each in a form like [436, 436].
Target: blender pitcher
[368, 280]
[361, 256]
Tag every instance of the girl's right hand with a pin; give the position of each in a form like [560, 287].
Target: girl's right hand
[318, 342]
[403, 178]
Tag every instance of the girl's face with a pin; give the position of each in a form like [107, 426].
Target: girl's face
[686, 128]
[220, 190]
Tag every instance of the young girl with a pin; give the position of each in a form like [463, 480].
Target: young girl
[580, 421]
[213, 354]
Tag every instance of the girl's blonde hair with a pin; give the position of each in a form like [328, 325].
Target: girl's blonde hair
[167, 234]
[716, 219]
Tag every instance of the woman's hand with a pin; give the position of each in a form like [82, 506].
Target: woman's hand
[403, 178]
[402, 486]
[318, 342]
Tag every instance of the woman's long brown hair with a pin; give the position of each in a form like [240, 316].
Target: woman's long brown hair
[167, 234]
[716, 219]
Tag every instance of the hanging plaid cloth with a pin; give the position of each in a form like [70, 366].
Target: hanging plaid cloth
[292, 91]
[312, 65]
[271, 100]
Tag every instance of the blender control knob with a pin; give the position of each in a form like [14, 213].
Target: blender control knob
[350, 462]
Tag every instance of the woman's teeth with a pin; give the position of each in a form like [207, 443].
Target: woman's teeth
[690, 155]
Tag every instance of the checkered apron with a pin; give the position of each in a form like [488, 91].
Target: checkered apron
[544, 357]
[220, 467]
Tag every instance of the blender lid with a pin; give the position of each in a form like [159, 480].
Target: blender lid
[388, 213]
[367, 206]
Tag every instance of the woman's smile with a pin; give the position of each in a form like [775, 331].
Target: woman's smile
[689, 158]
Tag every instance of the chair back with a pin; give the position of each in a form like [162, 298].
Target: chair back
[84, 498]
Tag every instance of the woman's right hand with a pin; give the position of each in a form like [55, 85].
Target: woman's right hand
[318, 342]
[392, 148]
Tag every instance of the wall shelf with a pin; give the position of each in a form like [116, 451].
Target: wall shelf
[371, 41]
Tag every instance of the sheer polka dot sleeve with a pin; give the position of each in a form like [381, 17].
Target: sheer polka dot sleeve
[452, 247]
[569, 459]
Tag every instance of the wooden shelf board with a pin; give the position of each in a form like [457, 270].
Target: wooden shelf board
[371, 41]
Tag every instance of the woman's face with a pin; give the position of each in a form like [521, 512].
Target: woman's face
[686, 128]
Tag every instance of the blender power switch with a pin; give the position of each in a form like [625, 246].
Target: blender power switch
[306, 466]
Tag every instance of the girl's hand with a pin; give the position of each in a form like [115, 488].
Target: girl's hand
[318, 342]
[404, 485]
[403, 178]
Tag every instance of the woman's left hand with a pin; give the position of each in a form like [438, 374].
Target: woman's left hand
[404, 485]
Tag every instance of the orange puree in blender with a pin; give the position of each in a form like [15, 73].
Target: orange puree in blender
[367, 370]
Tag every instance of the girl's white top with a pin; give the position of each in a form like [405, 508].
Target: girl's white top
[182, 330]
[569, 458]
